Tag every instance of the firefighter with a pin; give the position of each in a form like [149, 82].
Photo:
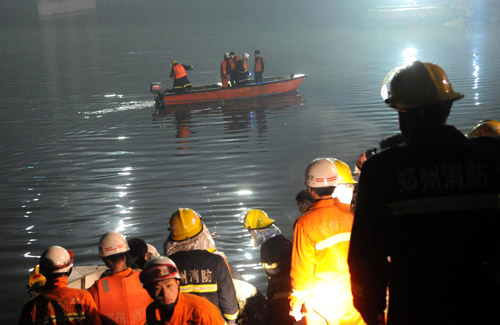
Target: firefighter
[427, 218]
[275, 257]
[119, 296]
[161, 279]
[58, 303]
[202, 271]
[225, 70]
[319, 273]
[179, 74]
[233, 74]
[258, 68]
[242, 70]
[485, 128]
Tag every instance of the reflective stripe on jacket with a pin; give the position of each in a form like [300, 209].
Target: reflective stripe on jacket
[61, 305]
[179, 71]
[189, 309]
[121, 297]
[207, 275]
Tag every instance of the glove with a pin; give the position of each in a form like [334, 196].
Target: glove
[192, 68]
[296, 314]
[297, 299]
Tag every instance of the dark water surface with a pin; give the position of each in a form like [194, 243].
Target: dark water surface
[83, 151]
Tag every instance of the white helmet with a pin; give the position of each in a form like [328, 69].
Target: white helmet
[226, 55]
[321, 172]
[158, 269]
[55, 259]
[112, 243]
[246, 55]
[152, 252]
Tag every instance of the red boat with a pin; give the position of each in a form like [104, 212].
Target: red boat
[215, 92]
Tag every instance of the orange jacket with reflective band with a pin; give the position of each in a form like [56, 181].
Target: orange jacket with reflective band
[179, 71]
[121, 298]
[61, 305]
[224, 67]
[258, 65]
[189, 309]
[321, 243]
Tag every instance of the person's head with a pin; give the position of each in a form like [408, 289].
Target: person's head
[138, 251]
[257, 219]
[246, 56]
[173, 62]
[113, 248]
[421, 93]
[256, 53]
[184, 224]
[321, 177]
[56, 261]
[232, 55]
[485, 128]
[161, 278]
[152, 252]
[304, 200]
[36, 281]
[226, 55]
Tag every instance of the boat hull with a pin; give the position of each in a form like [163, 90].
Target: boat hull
[215, 93]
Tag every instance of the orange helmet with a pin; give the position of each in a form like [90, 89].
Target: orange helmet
[485, 128]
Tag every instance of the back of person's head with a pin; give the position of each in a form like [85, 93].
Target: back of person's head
[322, 176]
[303, 196]
[56, 261]
[323, 191]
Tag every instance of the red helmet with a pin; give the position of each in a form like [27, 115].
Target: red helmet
[158, 269]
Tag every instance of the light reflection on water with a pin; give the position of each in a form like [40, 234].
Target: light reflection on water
[88, 153]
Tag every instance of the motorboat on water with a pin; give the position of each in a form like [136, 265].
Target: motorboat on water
[215, 92]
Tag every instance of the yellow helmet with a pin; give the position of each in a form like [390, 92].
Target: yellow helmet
[36, 279]
[184, 224]
[416, 85]
[485, 128]
[174, 62]
[257, 219]
[345, 175]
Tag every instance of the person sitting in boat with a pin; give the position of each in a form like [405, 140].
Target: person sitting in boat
[233, 74]
[119, 296]
[179, 74]
[242, 70]
[57, 301]
[225, 70]
[275, 257]
[258, 68]
[161, 278]
[203, 272]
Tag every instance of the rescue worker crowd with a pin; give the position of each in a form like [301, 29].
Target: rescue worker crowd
[415, 241]
[233, 71]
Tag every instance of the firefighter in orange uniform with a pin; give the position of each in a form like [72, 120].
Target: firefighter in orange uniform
[319, 272]
[225, 70]
[161, 279]
[57, 303]
[258, 68]
[242, 70]
[233, 74]
[179, 74]
[119, 296]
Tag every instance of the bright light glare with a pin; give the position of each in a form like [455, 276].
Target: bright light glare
[244, 192]
[410, 55]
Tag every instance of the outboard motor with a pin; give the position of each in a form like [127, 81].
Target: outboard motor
[157, 89]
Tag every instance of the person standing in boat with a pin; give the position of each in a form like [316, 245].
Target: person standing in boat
[427, 218]
[56, 302]
[179, 74]
[319, 271]
[258, 68]
[225, 70]
[120, 296]
[242, 70]
[203, 272]
[275, 257]
[233, 74]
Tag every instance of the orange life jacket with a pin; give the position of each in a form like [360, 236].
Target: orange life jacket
[121, 297]
[232, 63]
[179, 71]
[223, 67]
[258, 64]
